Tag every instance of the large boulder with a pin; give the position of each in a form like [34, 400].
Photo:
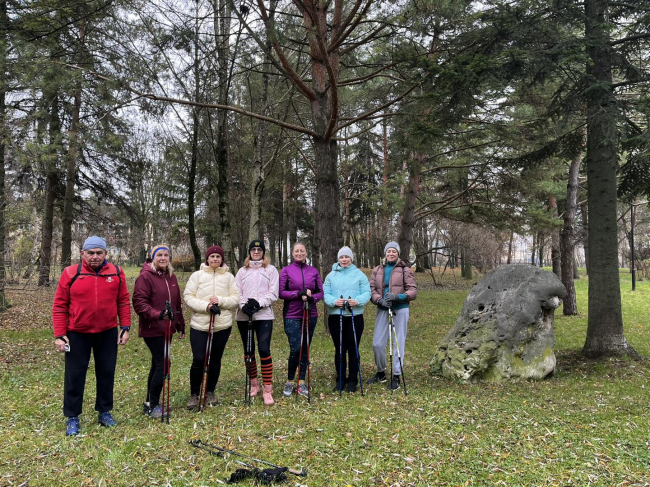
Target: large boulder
[505, 330]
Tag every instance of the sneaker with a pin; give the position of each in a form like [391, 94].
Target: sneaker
[72, 426]
[378, 377]
[211, 399]
[336, 386]
[106, 419]
[288, 389]
[351, 386]
[193, 403]
[156, 412]
[303, 390]
[146, 408]
[394, 384]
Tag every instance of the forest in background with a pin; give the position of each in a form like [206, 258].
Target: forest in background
[451, 126]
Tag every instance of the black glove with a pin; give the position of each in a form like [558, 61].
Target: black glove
[251, 307]
[392, 297]
[166, 314]
[302, 293]
[215, 310]
[310, 299]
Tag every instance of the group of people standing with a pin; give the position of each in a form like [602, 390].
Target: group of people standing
[85, 319]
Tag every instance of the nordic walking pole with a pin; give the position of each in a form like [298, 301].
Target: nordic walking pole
[390, 345]
[217, 450]
[399, 355]
[307, 315]
[249, 361]
[302, 338]
[167, 365]
[356, 345]
[341, 351]
[206, 365]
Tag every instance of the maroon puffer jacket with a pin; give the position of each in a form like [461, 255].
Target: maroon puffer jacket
[152, 290]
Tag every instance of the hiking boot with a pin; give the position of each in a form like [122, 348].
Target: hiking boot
[193, 403]
[378, 377]
[157, 412]
[72, 426]
[146, 408]
[211, 399]
[336, 386]
[394, 384]
[267, 394]
[303, 390]
[351, 386]
[255, 387]
[106, 419]
[288, 389]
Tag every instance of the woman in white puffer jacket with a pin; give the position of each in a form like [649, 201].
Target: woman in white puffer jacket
[210, 285]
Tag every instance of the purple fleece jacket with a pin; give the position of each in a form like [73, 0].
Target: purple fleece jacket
[293, 279]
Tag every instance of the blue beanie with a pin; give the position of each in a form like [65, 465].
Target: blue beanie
[392, 245]
[94, 242]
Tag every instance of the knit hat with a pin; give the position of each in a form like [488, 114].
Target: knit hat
[94, 242]
[392, 245]
[257, 243]
[157, 248]
[345, 251]
[215, 249]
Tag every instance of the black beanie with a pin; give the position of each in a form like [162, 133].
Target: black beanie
[257, 243]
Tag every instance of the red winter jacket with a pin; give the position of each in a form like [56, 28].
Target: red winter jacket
[152, 290]
[93, 302]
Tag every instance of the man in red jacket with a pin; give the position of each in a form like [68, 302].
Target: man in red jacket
[88, 300]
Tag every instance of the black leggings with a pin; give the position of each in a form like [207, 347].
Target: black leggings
[349, 350]
[198, 341]
[155, 381]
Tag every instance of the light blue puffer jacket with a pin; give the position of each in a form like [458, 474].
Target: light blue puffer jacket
[349, 282]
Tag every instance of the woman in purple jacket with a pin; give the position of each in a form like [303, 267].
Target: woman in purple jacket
[156, 285]
[300, 283]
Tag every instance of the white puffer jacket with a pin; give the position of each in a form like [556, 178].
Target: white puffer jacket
[204, 284]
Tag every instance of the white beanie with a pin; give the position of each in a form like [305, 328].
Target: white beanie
[392, 245]
[345, 251]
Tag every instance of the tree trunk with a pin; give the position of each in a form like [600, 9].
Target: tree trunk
[327, 231]
[512, 236]
[567, 238]
[191, 189]
[533, 250]
[407, 221]
[584, 211]
[4, 33]
[556, 257]
[605, 334]
[50, 194]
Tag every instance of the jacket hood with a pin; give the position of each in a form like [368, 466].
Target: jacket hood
[148, 267]
[337, 268]
[220, 270]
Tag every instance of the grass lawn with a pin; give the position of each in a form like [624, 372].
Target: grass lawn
[587, 425]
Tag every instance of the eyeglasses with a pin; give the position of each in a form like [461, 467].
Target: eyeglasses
[256, 249]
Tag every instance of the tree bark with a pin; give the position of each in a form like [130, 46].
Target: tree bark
[4, 35]
[605, 334]
[567, 238]
[584, 211]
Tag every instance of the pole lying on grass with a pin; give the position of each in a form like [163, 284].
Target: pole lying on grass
[305, 336]
[393, 331]
[219, 451]
[167, 365]
[356, 345]
[206, 365]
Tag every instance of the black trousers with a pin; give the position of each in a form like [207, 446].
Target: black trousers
[349, 350]
[104, 349]
[198, 342]
[157, 371]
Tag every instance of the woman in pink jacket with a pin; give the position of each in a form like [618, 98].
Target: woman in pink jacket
[258, 288]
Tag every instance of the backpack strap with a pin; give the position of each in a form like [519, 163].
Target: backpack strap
[74, 278]
[78, 273]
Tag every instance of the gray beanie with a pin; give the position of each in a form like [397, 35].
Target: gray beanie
[94, 242]
[392, 245]
[345, 251]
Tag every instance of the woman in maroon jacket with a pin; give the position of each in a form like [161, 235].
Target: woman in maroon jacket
[156, 285]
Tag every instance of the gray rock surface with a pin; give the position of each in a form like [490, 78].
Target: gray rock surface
[505, 330]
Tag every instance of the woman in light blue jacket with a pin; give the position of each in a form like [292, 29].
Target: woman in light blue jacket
[344, 284]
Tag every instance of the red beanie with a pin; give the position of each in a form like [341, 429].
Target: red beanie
[215, 249]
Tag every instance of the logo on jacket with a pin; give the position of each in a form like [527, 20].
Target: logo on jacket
[110, 279]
